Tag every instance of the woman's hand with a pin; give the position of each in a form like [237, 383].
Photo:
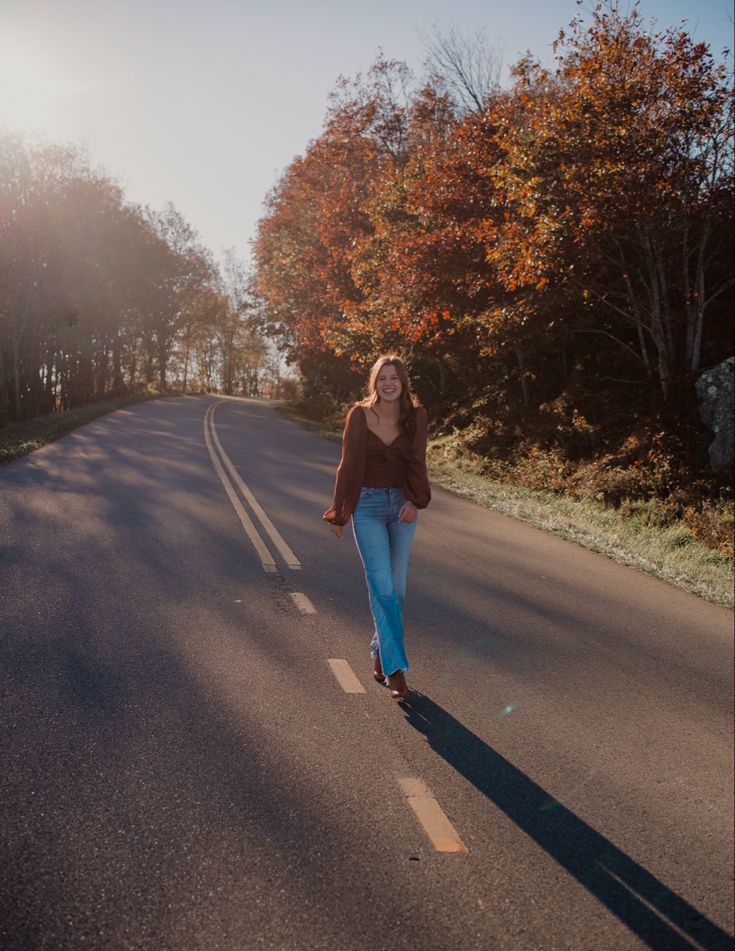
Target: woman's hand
[408, 512]
[338, 530]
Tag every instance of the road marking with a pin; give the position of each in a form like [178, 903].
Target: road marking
[250, 530]
[275, 536]
[302, 603]
[433, 820]
[345, 676]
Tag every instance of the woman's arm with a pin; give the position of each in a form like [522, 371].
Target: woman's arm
[417, 489]
[351, 468]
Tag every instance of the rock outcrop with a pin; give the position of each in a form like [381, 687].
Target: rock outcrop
[716, 390]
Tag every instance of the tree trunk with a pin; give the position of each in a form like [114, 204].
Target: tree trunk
[118, 384]
[163, 350]
[186, 369]
[521, 358]
[442, 377]
[16, 380]
[695, 320]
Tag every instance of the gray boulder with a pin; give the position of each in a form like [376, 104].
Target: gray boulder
[715, 389]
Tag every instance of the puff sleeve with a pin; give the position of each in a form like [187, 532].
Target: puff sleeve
[351, 468]
[417, 488]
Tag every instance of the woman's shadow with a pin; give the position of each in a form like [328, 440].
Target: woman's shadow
[659, 916]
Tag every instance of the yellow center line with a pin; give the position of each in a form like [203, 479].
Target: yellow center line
[275, 536]
[345, 676]
[302, 603]
[431, 816]
[250, 530]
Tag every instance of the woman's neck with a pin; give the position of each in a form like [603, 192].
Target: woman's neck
[390, 412]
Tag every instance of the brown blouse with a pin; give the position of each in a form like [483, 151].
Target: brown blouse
[368, 461]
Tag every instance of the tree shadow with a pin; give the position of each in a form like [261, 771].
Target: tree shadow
[651, 910]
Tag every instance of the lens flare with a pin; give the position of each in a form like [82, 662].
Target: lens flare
[562, 800]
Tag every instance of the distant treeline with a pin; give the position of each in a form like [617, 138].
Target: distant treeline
[100, 297]
[554, 258]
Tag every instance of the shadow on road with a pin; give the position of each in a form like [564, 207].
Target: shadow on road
[660, 917]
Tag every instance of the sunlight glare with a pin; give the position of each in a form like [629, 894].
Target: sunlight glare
[35, 93]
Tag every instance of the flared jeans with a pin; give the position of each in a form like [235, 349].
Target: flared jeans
[384, 544]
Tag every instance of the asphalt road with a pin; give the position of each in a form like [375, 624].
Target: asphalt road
[180, 767]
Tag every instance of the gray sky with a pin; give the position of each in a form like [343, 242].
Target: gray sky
[205, 103]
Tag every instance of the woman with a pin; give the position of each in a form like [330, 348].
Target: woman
[381, 483]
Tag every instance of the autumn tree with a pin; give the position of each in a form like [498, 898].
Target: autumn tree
[242, 348]
[96, 294]
[56, 218]
[414, 266]
[554, 258]
[617, 184]
[315, 216]
[182, 271]
[464, 67]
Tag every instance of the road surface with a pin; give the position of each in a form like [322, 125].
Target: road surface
[195, 755]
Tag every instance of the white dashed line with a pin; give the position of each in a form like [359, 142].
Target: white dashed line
[345, 676]
[430, 814]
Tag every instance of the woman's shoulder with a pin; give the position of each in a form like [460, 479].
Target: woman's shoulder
[356, 412]
[420, 410]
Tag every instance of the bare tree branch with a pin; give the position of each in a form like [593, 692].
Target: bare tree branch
[467, 66]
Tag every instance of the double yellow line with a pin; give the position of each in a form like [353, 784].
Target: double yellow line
[231, 481]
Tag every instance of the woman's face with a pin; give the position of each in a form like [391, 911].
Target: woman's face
[388, 384]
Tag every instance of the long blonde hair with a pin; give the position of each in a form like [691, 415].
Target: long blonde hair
[407, 402]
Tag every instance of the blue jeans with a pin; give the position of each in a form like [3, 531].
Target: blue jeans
[384, 544]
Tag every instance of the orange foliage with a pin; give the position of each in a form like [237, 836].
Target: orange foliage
[585, 211]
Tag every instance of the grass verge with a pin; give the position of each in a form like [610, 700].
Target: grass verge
[671, 553]
[18, 439]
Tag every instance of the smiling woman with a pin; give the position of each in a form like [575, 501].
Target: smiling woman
[35, 87]
[379, 488]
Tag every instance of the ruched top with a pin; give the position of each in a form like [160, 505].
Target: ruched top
[368, 461]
